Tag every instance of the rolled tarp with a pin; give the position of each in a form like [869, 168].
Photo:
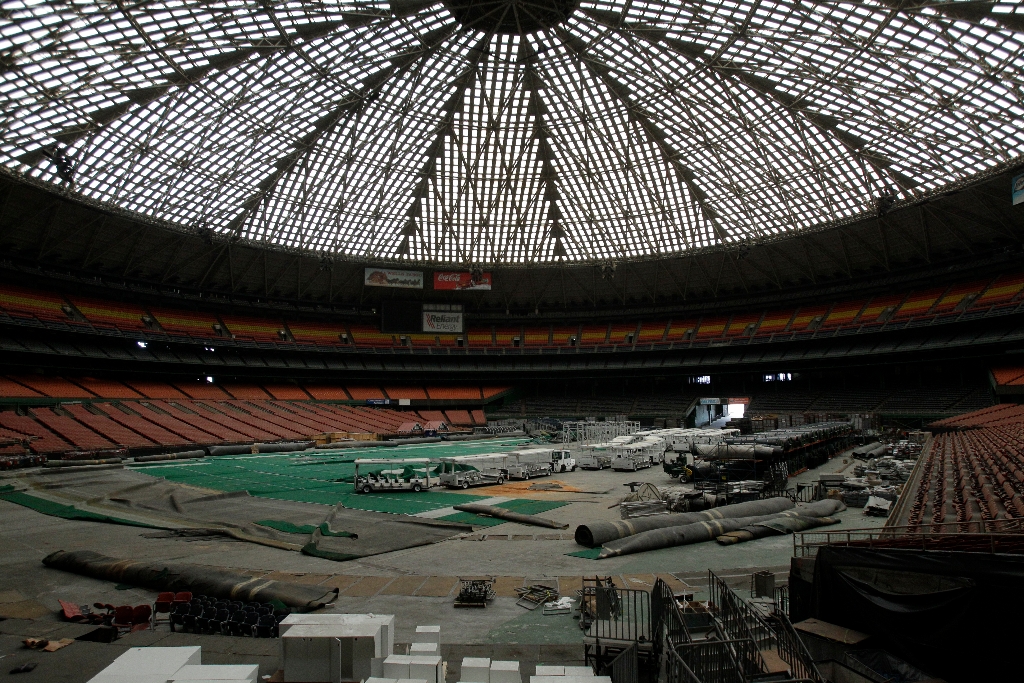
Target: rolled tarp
[598, 533]
[82, 463]
[775, 527]
[705, 530]
[198, 579]
[237, 449]
[502, 513]
[743, 451]
[284, 447]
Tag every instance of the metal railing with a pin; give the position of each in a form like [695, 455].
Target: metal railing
[621, 614]
[626, 667]
[792, 650]
[721, 661]
[981, 536]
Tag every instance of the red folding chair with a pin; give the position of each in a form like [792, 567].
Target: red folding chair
[183, 596]
[141, 615]
[123, 618]
[163, 606]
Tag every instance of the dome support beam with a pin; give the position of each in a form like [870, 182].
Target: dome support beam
[371, 85]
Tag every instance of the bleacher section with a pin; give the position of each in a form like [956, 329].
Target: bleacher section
[110, 314]
[187, 323]
[27, 303]
[254, 328]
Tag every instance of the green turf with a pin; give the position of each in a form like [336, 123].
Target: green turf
[523, 506]
[319, 478]
[588, 554]
[48, 507]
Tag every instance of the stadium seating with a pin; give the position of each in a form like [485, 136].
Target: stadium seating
[561, 335]
[453, 393]
[808, 318]
[362, 393]
[479, 336]
[919, 303]
[201, 389]
[591, 335]
[155, 389]
[29, 303]
[317, 333]
[72, 431]
[243, 391]
[678, 329]
[651, 332]
[327, 393]
[187, 323]
[406, 392]
[504, 336]
[879, 309]
[743, 325]
[55, 387]
[1001, 292]
[712, 327]
[254, 328]
[366, 335]
[105, 388]
[100, 313]
[537, 336]
[1008, 376]
[843, 313]
[44, 441]
[287, 392]
[11, 389]
[954, 298]
[108, 428]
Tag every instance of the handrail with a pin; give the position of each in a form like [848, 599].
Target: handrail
[977, 533]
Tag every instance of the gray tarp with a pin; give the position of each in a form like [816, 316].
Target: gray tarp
[705, 530]
[191, 511]
[774, 527]
[598, 533]
[175, 576]
[502, 513]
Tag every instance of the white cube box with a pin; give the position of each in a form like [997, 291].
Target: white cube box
[505, 672]
[545, 670]
[578, 671]
[424, 649]
[570, 679]
[128, 678]
[329, 652]
[377, 667]
[426, 667]
[427, 634]
[397, 666]
[410, 680]
[476, 670]
[386, 621]
[244, 673]
[141, 662]
[378, 679]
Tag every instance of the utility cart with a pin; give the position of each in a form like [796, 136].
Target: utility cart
[463, 471]
[404, 475]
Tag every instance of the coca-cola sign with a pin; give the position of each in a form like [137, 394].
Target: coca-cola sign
[461, 280]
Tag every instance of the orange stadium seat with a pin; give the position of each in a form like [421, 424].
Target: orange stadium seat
[432, 415]
[155, 389]
[1002, 291]
[536, 336]
[678, 329]
[561, 334]
[286, 392]
[258, 329]
[652, 331]
[593, 334]
[504, 335]
[28, 303]
[876, 309]
[45, 442]
[919, 303]
[450, 339]
[54, 387]
[245, 391]
[406, 392]
[805, 317]
[193, 323]
[712, 328]
[491, 392]
[741, 322]
[953, 298]
[619, 333]
[72, 431]
[323, 392]
[366, 335]
[453, 393]
[478, 417]
[422, 339]
[362, 393]
[1005, 376]
[843, 314]
[201, 390]
[479, 336]
[111, 313]
[774, 322]
[11, 389]
[108, 388]
[459, 418]
[317, 333]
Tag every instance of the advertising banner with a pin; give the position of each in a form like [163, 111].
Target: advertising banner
[1018, 189]
[442, 322]
[710, 401]
[743, 401]
[385, 277]
[461, 281]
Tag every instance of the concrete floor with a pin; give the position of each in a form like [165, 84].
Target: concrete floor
[381, 584]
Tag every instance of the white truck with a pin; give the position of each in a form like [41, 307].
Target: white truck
[463, 471]
[596, 457]
[529, 462]
[639, 454]
[396, 478]
[562, 461]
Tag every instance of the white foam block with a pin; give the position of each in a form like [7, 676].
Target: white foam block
[424, 649]
[386, 621]
[426, 667]
[397, 666]
[476, 670]
[577, 671]
[505, 672]
[376, 679]
[570, 679]
[377, 667]
[128, 678]
[544, 670]
[153, 661]
[218, 672]
[427, 634]
[410, 680]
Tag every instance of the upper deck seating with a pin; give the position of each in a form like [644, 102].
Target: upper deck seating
[155, 389]
[591, 335]
[843, 313]
[537, 336]
[362, 393]
[324, 392]
[325, 334]
[27, 303]
[919, 303]
[257, 329]
[621, 333]
[286, 392]
[244, 391]
[955, 297]
[491, 392]
[11, 389]
[123, 316]
[453, 393]
[190, 323]
[1005, 376]
[774, 322]
[808, 318]
[202, 390]
[108, 388]
[1001, 292]
[479, 336]
[743, 325]
[678, 329]
[880, 309]
[562, 335]
[504, 336]
[652, 331]
[366, 335]
[712, 327]
[406, 392]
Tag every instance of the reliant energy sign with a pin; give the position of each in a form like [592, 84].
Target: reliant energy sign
[400, 279]
[442, 318]
[461, 281]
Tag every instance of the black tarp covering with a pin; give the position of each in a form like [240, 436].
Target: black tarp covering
[956, 615]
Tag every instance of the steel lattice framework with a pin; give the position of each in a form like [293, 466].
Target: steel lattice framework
[509, 131]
